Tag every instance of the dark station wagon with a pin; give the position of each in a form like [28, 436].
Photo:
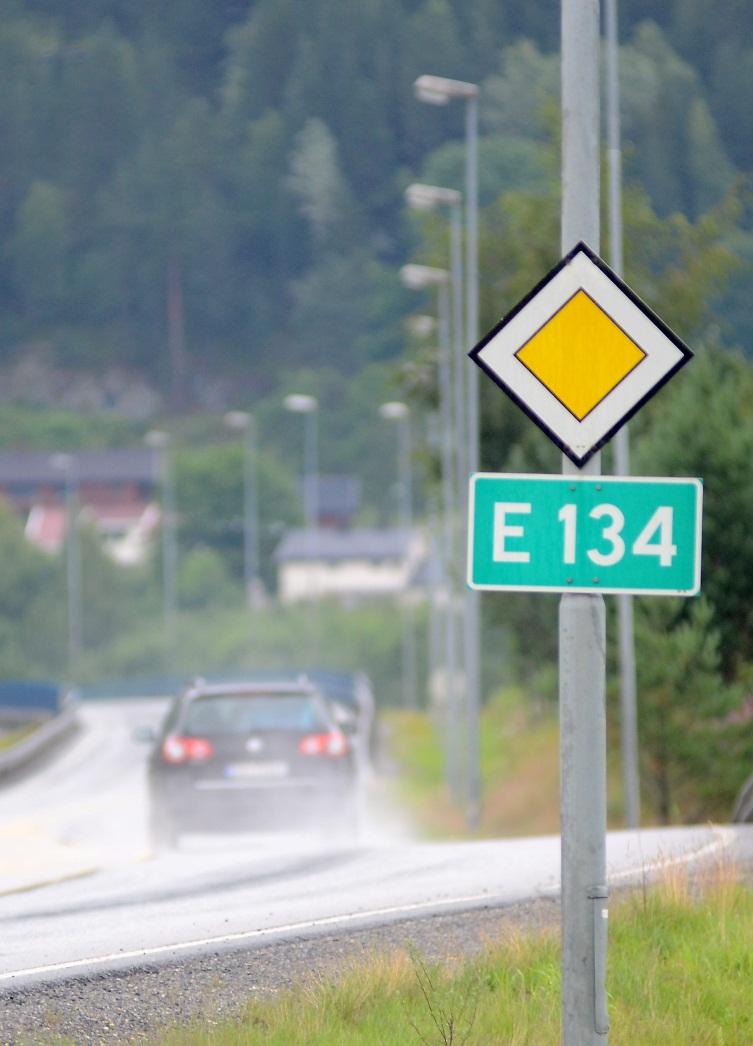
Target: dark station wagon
[248, 757]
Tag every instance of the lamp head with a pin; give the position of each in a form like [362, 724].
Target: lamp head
[237, 419]
[417, 277]
[425, 197]
[439, 90]
[300, 403]
[157, 439]
[394, 410]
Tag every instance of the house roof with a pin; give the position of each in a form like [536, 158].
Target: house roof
[337, 545]
[336, 495]
[140, 465]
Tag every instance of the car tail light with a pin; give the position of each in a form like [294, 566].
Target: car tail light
[186, 749]
[335, 744]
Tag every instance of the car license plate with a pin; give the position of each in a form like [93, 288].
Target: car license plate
[273, 769]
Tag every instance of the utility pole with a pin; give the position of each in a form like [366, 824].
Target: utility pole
[244, 423]
[582, 627]
[626, 638]
[176, 333]
[472, 621]
[68, 465]
[399, 414]
[419, 277]
[160, 442]
[451, 624]
[308, 406]
[427, 197]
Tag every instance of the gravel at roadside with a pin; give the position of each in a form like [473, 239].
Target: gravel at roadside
[132, 1006]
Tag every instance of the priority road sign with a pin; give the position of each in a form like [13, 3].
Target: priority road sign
[581, 354]
[533, 533]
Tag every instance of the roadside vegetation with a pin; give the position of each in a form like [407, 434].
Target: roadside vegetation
[225, 640]
[679, 972]
[519, 769]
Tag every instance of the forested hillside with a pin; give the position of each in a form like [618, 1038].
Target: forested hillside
[205, 193]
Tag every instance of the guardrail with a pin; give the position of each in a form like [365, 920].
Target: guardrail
[742, 812]
[22, 754]
[47, 705]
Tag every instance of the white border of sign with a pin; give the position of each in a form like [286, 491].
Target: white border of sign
[583, 270]
[595, 589]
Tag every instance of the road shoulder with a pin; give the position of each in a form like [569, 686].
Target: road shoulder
[119, 1008]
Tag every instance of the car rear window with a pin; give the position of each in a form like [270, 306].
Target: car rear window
[243, 713]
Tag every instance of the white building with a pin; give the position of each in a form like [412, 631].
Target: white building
[348, 564]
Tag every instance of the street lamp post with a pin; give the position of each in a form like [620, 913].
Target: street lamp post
[244, 423]
[439, 90]
[436, 652]
[308, 406]
[299, 403]
[399, 413]
[67, 464]
[420, 277]
[427, 197]
[160, 442]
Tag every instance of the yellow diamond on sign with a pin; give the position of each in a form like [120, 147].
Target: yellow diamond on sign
[580, 355]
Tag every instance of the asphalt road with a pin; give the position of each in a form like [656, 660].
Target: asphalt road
[80, 894]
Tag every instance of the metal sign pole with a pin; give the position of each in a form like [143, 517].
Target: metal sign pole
[582, 617]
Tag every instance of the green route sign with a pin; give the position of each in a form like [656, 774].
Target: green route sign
[532, 533]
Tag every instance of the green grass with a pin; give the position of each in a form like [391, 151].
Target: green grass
[680, 970]
[519, 769]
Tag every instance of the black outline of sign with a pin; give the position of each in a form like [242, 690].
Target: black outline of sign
[581, 248]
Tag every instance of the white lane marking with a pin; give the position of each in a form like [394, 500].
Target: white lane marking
[724, 837]
[248, 935]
